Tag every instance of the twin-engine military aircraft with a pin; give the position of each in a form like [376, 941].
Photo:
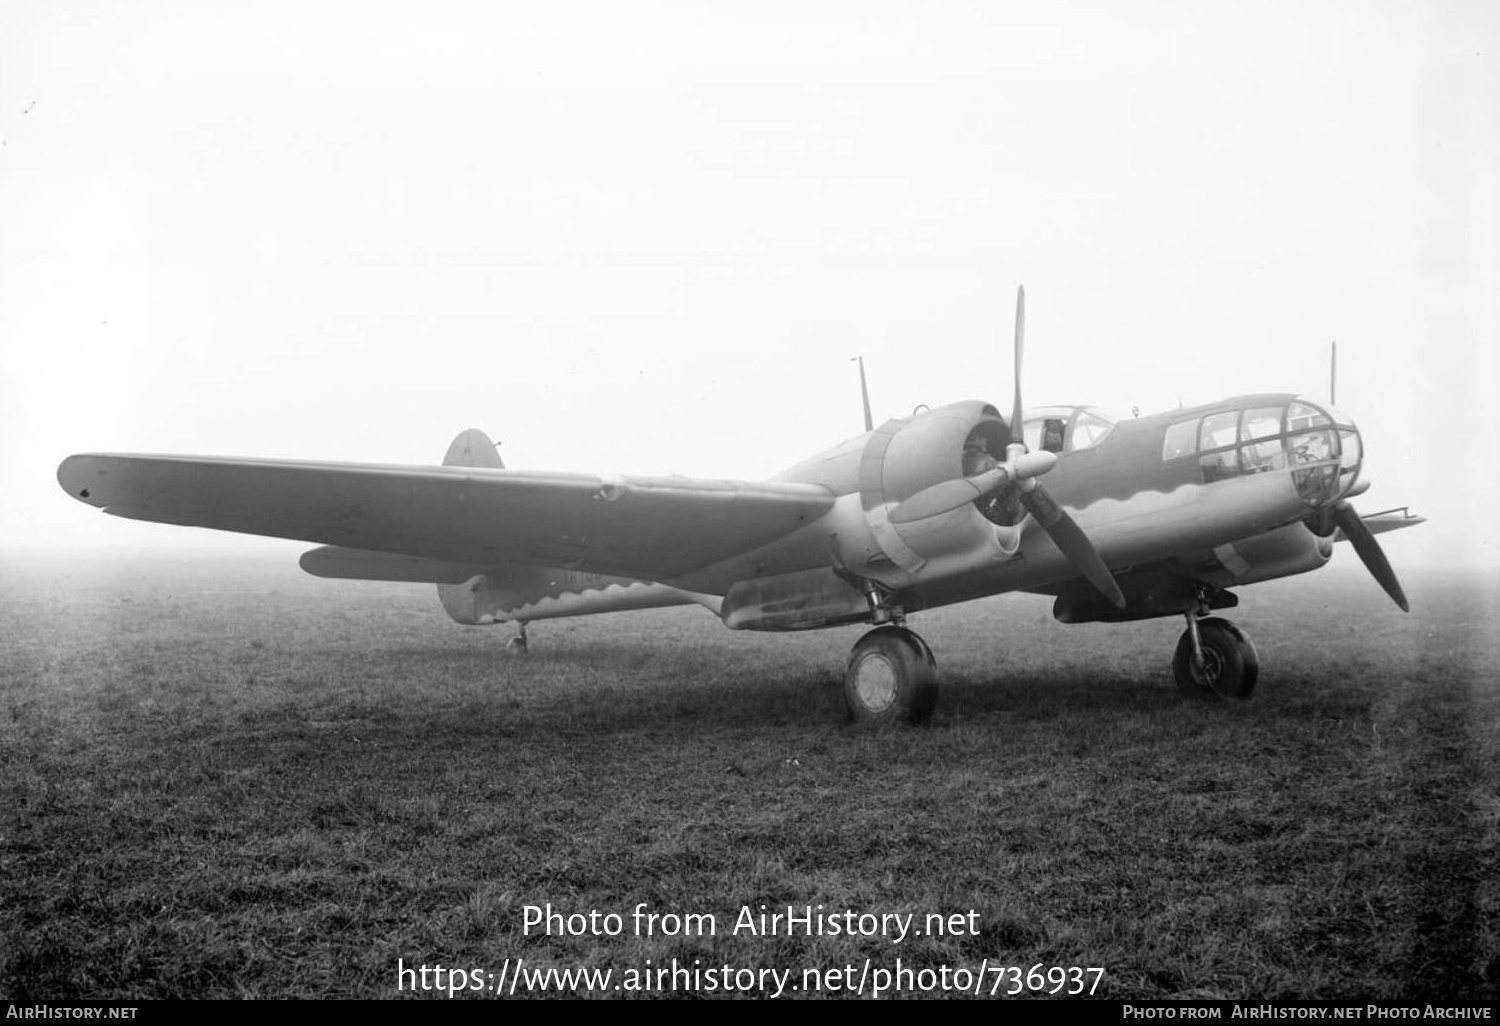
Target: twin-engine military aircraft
[1153, 516]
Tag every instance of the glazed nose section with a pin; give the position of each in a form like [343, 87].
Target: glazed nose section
[1325, 452]
[1351, 458]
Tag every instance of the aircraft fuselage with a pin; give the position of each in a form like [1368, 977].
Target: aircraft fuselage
[1218, 492]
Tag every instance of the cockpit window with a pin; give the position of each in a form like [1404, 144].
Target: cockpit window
[1258, 457]
[1300, 417]
[1054, 433]
[1350, 461]
[1089, 430]
[1219, 429]
[1312, 447]
[1065, 429]
[1181, 439]
[1260, 423]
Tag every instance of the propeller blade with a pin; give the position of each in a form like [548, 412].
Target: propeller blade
[947, 496]
[1015, 410]
[1370, 552]
[864, 395]
[1073, 543]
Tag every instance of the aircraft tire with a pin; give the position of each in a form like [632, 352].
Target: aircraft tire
[1231, 664]
[926, 650]
[891, 678]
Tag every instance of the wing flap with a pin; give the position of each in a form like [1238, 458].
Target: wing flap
[363, 565]
[641, 527]
[516, 592]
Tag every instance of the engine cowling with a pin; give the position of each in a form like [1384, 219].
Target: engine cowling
[872, 475]
[1293, 549]
[904, 457]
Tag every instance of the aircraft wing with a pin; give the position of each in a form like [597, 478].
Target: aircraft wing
[650, 528]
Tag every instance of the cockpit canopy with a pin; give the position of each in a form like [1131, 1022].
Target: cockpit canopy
[1064, 428]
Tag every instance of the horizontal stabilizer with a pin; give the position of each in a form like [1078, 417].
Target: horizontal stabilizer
[1387, 520]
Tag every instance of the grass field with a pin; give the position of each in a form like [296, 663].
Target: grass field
[225, 779]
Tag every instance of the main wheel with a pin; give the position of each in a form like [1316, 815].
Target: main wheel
[1230, 665]
[891, 678]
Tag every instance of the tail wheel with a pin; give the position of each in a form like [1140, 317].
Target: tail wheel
[891, 678]
[1230, 666]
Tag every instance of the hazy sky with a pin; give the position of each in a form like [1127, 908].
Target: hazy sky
[649, 237]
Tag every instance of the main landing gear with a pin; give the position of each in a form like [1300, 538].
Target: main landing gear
[891, 678]
[1214, 658]
[891, 674]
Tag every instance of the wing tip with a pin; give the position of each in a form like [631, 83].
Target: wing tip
[77, 475]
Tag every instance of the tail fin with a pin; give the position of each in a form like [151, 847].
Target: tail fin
[473, 448]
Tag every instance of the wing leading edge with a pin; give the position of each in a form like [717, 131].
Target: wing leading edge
[650, 528]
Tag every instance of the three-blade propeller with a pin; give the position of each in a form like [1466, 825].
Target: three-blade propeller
[1019, 472]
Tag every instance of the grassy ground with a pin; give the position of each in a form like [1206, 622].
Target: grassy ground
[221, 779]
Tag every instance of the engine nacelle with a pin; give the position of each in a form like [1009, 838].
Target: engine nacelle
[872, 475]
[904, 457]
[1168, 590]
[1292, 549]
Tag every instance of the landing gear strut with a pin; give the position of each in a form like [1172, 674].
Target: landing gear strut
[1214, 658]
[517, 645]
[891, 678]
